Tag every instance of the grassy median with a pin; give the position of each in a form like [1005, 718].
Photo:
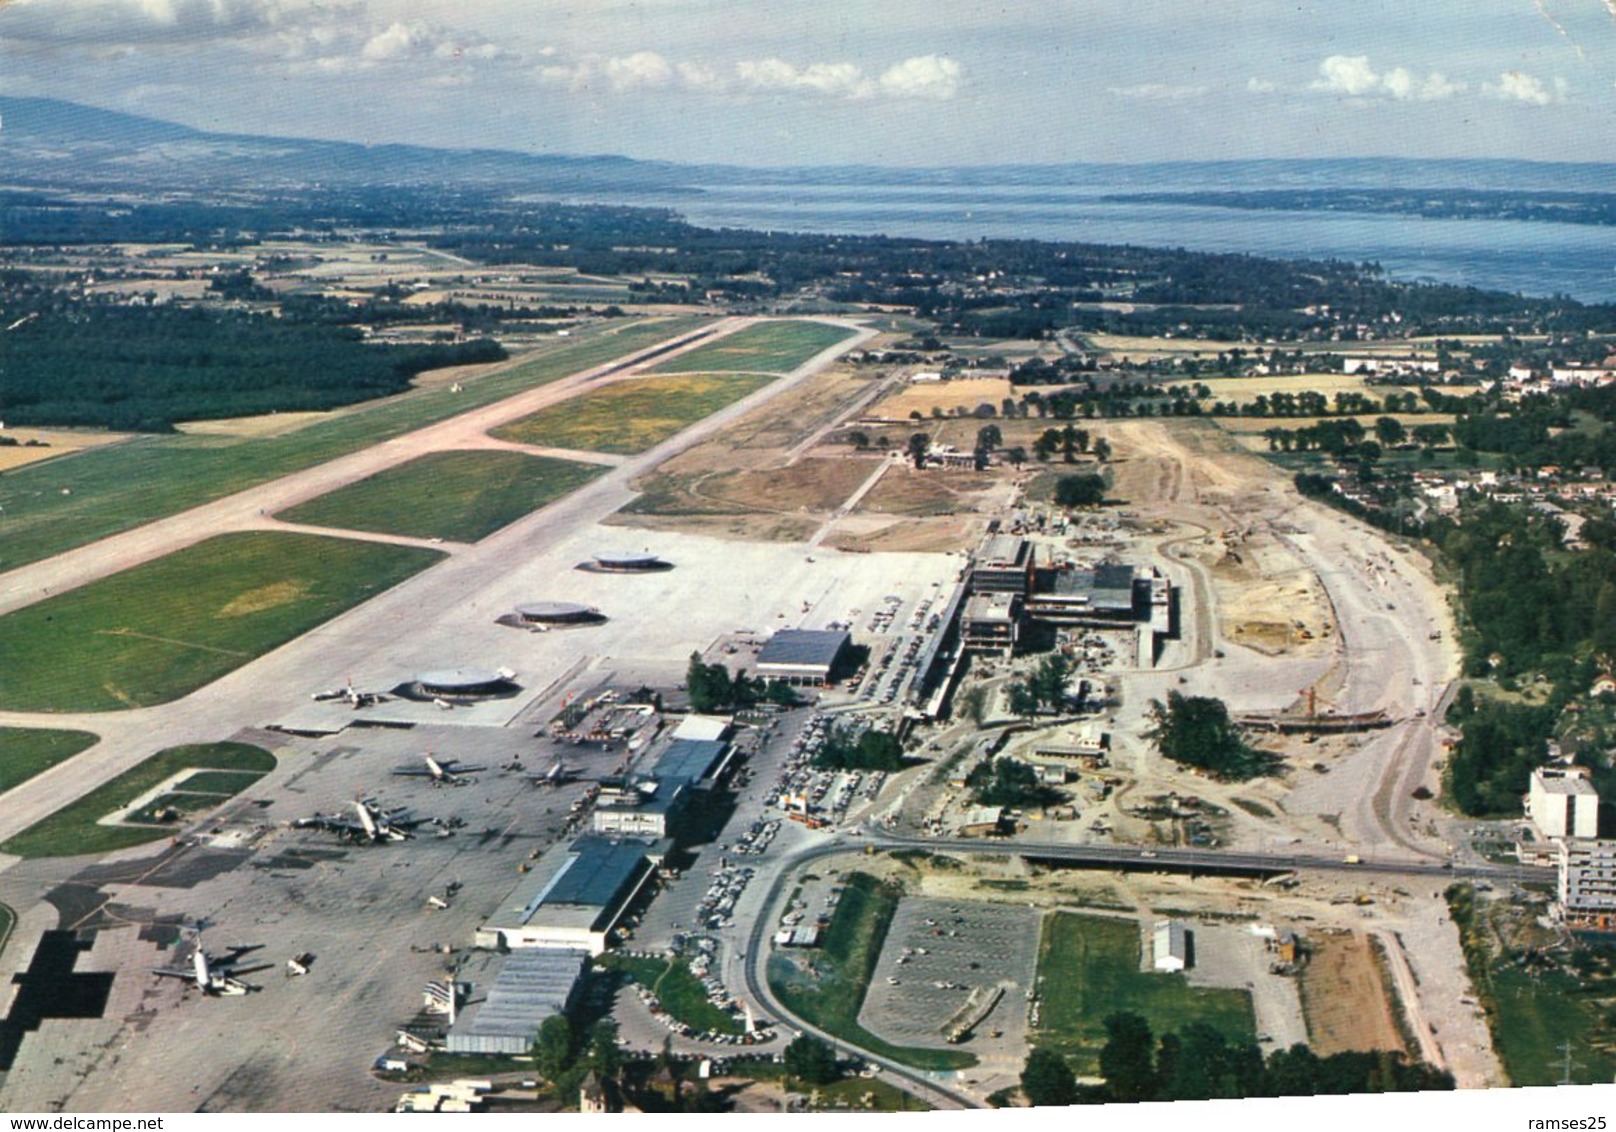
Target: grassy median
[461, 496]
[163, 629]
[26, 751]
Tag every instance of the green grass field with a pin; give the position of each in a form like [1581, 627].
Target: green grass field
[165, 628]
[832, 996]
[25, 751]
[8, 921]
[59, 504]
[75, 829]
[1088, 969]
[631, 416]
[679, 991]
[463, 496]
[764, 347]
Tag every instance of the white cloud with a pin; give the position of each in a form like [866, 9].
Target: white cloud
[1353, 77]
[1158, 92]
[1260, 86]
[924, 76]
[1517, 86]
[1347, 74]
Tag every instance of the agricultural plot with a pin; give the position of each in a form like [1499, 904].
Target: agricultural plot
[631, 416]
[165, 628]
[60, 504]
[461, 496]
[26, 751]
[83, 826]
[765, 347]
[1344, 997]
[1089, 969]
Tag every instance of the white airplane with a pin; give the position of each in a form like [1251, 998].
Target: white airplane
[214, 975]
[353, 696]
[449, 772]
[374, 826]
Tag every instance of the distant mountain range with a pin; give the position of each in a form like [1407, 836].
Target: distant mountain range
[52, 142]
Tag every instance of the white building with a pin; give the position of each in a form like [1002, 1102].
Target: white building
[1170, 946]
[1562, 802]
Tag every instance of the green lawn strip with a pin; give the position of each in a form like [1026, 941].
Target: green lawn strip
[74, 829]
[224, 782]
[26, 751]
[842, 970]
[1088, 969]
[462, 496]
[165, 628]
[1533, 1012]
[678, 990]
[765, 347]
[60, 504]
[8, 922]
[185, 805]
[631, 416]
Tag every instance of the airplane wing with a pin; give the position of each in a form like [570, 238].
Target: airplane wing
[413, 772]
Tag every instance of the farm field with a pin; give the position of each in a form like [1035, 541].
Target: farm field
[631, 416]
[461, 496]
[165, 628]
[78, 827]
[765, 347]
[61, 504]
[1243, 390]
[946, 396]
[26, 751]
[1088, 969]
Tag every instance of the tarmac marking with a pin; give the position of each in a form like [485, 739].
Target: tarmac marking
[170, 641]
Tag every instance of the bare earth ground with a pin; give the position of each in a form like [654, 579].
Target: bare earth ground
[1344, 999]
[959, 393]
[56, 442]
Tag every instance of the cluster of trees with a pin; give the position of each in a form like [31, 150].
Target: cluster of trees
[1500, 745]
[811, 1060]
[143, 368]
[712, 686]
[1008, 782]
[1085, 490]
[1199, 1063]
[564, 1057]
[1197, 731]
[1044, 689]
[847, 748]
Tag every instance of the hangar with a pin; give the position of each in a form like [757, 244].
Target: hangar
[523, 989]
[574, 896]
[802, 656]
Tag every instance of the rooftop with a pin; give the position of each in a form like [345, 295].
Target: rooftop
[527, 987]
[1003, 550]
[689, 759]
[1572, 780]
[804, 646]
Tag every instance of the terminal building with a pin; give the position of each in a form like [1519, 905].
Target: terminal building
[1002, 564]
[1109, 595]
[660, 802]
[523, 989]
[627, 563]
[802, 656]
[991, 623]
[574, 896]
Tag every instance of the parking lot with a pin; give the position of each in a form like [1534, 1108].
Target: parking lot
[937, 953]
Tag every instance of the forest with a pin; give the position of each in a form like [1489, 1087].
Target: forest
[141, 368]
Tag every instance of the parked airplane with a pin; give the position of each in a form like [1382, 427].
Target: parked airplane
[353, 696]
[213, 974]
[558, 774]
[370, 826]
[448, 772]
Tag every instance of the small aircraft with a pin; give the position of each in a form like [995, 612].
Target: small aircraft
[213, 974]
[447, 772]
[558, 774]
[371, 825]
[353, 696]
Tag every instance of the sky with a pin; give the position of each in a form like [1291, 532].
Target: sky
[831, 82]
